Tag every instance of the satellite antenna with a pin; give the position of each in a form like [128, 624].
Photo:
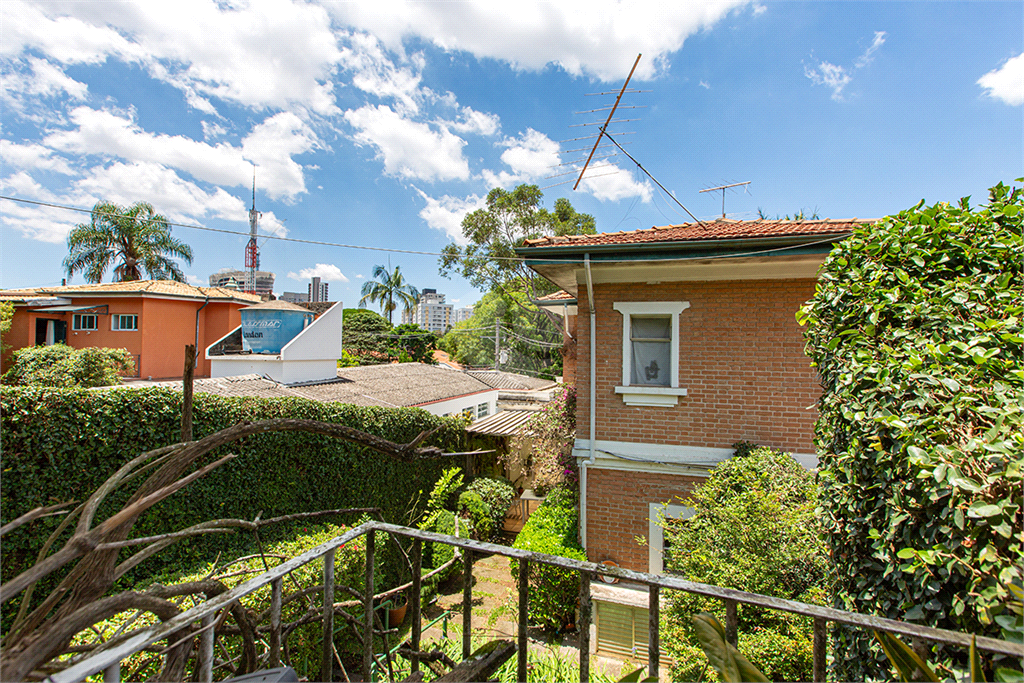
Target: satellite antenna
[723, 188]
[252, 250]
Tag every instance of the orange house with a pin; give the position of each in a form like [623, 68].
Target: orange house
[153, 319]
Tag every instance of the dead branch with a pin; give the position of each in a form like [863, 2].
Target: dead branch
[32, 515]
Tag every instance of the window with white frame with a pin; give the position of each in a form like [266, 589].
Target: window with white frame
[482, 410]
[85, 321]
[662, 515]
[650, 352]
[124, 323]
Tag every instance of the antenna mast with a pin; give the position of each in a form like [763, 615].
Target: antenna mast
[723, 188]
[252, 250]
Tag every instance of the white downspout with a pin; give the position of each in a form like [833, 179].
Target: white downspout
[593, 404]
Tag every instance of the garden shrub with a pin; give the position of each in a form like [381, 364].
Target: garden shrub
[60, 365]
[552, 529]
[61, 444]
[440, 518]
[497, 496]
[753, 529]
[472, 508]
[548, 437]
[915, 329]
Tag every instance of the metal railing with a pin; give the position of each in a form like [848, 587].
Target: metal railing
[108, 661]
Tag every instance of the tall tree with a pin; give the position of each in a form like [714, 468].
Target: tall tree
[135, 237]
[489, 261]
[387, 286]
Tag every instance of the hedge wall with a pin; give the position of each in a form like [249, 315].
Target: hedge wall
[61, 444]
[916, 331]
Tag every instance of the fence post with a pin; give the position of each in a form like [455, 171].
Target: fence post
[524, 602]
[206, 648]
[327, 658]
[417, 578]
[820, 648]
[368, 609]
[275, 623]
[731, 622]
[654, 636]
[583, 624]
[467, 603]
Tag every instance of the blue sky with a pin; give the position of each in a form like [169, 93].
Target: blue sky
[381, 124]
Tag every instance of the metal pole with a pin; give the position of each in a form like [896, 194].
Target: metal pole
[417, 577]
[467, 604]
[275, 623]
[327, 652]
[584, 627]
[653, 639]
[497, 337]
[524, 601]
[206, 649]
[731, 622]
[368, 609]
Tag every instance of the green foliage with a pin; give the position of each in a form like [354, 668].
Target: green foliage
[364, 339]
[552, 529]
[389, 288]
[413, 342]
[497, 496]
[906, 662]
[753, 529]
[732, 667]
[61, 444]
[915, 329]
[472, 508]
[60, 365]
[439, 517]
[6, 318]
[134, 236]
[547, 440]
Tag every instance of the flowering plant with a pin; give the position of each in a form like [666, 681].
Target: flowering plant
[544, 445]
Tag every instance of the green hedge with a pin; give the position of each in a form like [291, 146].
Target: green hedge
[61, 444]
[552, 529]
[915, 328]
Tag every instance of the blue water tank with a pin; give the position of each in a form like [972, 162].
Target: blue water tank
[268, 326]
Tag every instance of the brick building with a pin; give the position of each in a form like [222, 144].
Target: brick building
[686, 342]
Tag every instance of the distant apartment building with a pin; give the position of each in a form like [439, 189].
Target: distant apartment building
[316, 291]
[229, 278]
[431, 312]
[295, 297]
[462, 314]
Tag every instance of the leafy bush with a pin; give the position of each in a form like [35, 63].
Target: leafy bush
[915, 329]
[471, 507]
[548, 438]
[753, 529]
[497, 496]
[60, 444]
[439, 517]
[60, 365]
[552, 529]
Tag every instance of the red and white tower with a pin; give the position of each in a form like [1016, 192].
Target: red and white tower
[252, 250]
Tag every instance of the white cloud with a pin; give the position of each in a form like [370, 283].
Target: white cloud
[705, 85]
[1007, 82]
[375, 73]
[196, 281]
[829, 75]
[270, 144]
[360, 277]
[33, 157]
[410, 149]
[478, 122]
[242, 63]
[446, 214]
[607, 185]
[868, 55]
[213, 130]
[327, 272]
[531, 156]
[599, 37]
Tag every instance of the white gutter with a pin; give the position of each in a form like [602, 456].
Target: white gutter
[593, 404]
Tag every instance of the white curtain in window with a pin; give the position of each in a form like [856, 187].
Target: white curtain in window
[651, 345]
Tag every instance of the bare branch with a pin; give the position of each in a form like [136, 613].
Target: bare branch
[32, 515]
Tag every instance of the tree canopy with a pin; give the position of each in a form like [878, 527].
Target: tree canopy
[135, 237]
[387, 286]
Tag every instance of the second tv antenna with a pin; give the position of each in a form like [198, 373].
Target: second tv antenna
[723, 188]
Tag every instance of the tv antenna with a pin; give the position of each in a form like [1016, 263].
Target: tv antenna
[723, 188]
[252, 250]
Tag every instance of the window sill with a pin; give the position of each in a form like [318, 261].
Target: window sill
[650, 396]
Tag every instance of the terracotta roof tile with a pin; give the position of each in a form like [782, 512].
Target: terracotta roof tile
[159, 287]
[721, 229]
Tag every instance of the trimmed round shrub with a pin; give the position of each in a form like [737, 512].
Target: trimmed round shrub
[497, 496]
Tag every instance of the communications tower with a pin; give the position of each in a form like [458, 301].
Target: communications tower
[252, 250]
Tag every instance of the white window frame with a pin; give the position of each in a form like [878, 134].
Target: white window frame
[656, 532]
[76, 322]
[115, 321]
[483, 410]
[645, 395]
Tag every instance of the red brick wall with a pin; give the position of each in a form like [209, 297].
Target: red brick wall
[618, 510]
[741, 361]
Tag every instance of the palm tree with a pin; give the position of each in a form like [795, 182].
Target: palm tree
[385, 288]
[136, 237]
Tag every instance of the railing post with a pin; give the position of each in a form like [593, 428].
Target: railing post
[417, 578]
[731, 622]
[467, 603]
[368, 609]
[524, 602]
[327, 656]
[820, 648]
[653, 637]
[275, 623]
[584, 627]
[206, 649]
[112, 674]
